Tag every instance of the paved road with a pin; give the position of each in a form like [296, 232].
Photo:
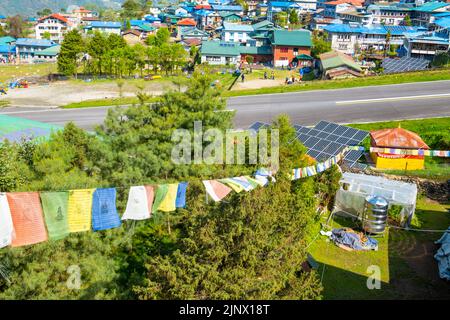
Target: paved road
[379, 103]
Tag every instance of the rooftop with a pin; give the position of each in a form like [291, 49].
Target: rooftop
[335, 59]
[431, 6]
[34, 42]
[56, 16]
[397, 138]
[228, 26]
[301, 38]
[106, 24]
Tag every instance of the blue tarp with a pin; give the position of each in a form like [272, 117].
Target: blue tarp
[443, 255]
[104, 211]
[354, 240]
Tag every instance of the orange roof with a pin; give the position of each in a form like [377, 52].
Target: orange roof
[202, 6]
[397, 138]
[357, 3]
[55, 16]
[187, 22]
[82, 10]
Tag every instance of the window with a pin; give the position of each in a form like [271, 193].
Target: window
[284, 49]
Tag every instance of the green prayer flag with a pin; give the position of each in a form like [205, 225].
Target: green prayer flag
[54, 205]
[160, 194]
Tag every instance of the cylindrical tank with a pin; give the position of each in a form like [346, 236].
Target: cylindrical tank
[375, 214]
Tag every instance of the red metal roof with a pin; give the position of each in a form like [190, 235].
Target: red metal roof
[187, 22]
[397, 138]
[202, 6]
[54, 16]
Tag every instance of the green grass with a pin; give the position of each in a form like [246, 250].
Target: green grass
[10, 72]
[349, 83]
[419, 126]
[345, 273]
[104, 102]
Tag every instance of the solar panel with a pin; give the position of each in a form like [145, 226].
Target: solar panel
[328, 139]
[404, 64]
[258, 125]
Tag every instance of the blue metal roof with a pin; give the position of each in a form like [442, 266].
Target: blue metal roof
[226, 8]
[373, 29]
[203, 12]
[444, 23]
[284, 4]
[6, 49]
[431, 6]
[237, 27]
[2, 17]
[105, 24]
[34, 42]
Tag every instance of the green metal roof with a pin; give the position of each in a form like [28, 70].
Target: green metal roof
[304, 57]
[331, 61]
[255, 50]
[220, 48]
[300, 38]
[52, 51]
[264, 25]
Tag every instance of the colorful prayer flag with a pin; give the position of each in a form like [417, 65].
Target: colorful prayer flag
[181, 195]
[27, 218]
[104, 211]
[160, 195]
[169, 202]
[54, 206]
[80, 210]
[6, 224]
[216, 190]
[137, 205]
[150, 196]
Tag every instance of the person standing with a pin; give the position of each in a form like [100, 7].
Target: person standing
[273, 75]
[242, 77]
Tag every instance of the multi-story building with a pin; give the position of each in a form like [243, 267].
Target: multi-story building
[234, 32]
[29, 49]
[426, 14]
[428, 44]
[348, 38]
[287, 45]
[392, 15]
[54, 26]
[356, 16]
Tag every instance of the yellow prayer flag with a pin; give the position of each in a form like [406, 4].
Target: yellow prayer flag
[169, 202]
[79, 210]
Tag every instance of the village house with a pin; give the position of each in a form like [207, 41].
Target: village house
[236, 32]
[29, 49]
[107, 27]
[428, 44]
[392, 15]
[425, 14]
[275, 7]
[132, 37]
[81, 13]
[349, 38]
[337, 65]
[54, 25]
[287, 45]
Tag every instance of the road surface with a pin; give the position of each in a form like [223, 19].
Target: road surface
[368, 104]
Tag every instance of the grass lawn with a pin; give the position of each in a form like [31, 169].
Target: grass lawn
[435, 132]
[11, 72]
[347, 83]
[103, 102]
[405, 259]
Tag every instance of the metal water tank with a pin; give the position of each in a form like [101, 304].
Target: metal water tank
[375, 214]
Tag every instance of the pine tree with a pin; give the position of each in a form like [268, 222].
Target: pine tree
[71, 47]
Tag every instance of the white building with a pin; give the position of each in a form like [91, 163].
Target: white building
[348, 39]
[234, 32]
[54, 25]
[388, 15]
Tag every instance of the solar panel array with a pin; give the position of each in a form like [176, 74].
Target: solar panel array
[404, 64]
[328, 139]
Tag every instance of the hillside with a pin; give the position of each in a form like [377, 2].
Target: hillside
[30, 7]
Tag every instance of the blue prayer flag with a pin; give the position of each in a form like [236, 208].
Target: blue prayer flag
[181, 195]
[104, 211]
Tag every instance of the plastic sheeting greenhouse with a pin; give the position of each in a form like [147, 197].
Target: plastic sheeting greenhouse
[354, 188]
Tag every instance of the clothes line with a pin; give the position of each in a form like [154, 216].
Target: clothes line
[28, 218]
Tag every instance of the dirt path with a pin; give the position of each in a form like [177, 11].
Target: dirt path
[62, 93]
[256, 84]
